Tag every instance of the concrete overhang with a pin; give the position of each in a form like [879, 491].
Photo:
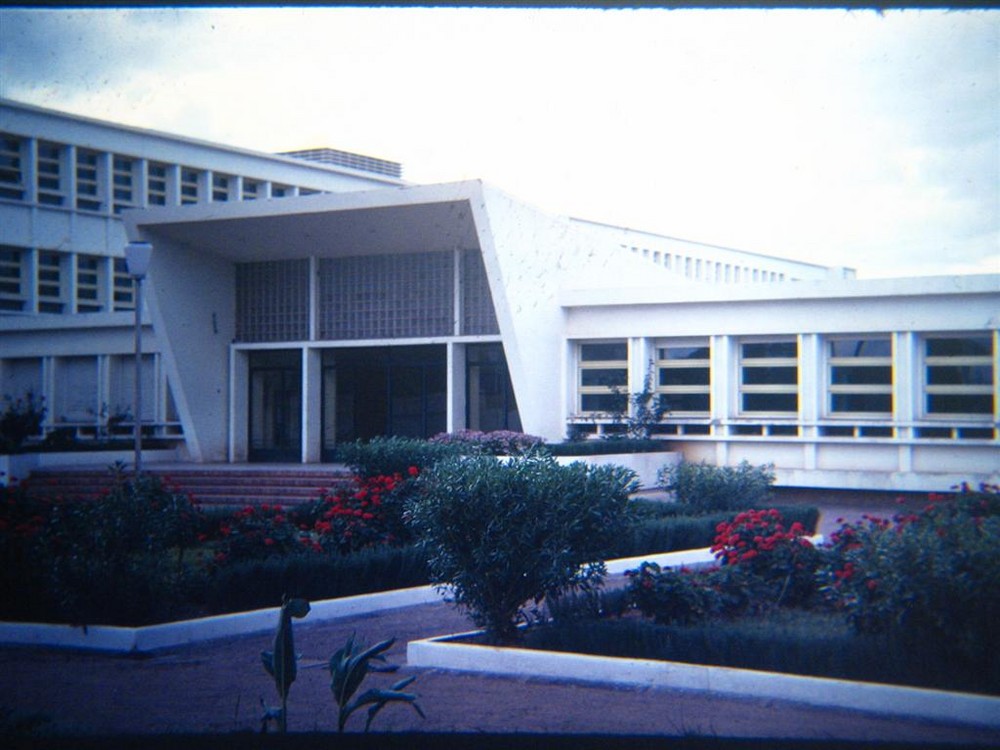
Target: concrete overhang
[693, 292]
[372, 222]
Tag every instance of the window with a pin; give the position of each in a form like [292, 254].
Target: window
[959, 375]
[603, 377]
[88, 283]
[50, 282]
[12, 288]
[11, 176]
[124, 286]
[124, 183]
[490, 402]
[156, 185]
[251, 190]
[683, 377]
[87, 195]
[769, 377]
[220, 187]
[280, 191]
[189, 186]
[48, 166]
[860, 376]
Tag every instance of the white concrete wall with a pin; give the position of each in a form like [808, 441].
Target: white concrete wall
[192, 298]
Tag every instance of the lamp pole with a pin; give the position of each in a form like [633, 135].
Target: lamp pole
[137, 257]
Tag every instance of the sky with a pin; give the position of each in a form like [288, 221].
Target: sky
[841, 137]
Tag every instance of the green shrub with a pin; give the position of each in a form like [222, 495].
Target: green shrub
[387, 456]
[606, 447]
[671, 596]
[705, 487]
[21, 419]
[118, 559]
[494, 443]
[503, 533]
[928, 579]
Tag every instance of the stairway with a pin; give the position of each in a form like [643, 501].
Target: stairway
[232, 486]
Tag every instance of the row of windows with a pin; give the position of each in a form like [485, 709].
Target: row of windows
[958, 377]
[707, 270]
[51, 281]
[96, 181]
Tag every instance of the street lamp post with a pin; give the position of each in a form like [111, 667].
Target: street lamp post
[137, 257]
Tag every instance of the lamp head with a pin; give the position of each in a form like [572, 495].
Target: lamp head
[137, 257]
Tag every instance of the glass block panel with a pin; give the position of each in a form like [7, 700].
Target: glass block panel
[386, 296]
[478, 314]
[272, 301]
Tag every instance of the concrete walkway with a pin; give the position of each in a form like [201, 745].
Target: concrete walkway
[216, 688]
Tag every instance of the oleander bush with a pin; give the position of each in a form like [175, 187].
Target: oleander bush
[705, 487]
[505, 533]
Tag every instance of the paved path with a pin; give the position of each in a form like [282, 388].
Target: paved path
[217, 688]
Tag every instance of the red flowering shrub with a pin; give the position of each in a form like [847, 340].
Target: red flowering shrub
[368, 514]
[931, 577]
[781, 559]
[253, 533]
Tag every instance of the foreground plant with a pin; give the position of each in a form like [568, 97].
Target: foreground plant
[500, 534]
[348, 668]
[281, 662]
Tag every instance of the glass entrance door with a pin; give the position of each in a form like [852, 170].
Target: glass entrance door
[373, 392]
[275, 406]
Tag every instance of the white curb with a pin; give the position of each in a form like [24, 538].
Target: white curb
[115, 639]
[443, 653]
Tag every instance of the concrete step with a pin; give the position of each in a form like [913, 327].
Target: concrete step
[228, 487]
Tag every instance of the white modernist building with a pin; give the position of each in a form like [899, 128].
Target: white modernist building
[372, 307]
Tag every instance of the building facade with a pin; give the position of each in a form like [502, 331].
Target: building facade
[66, 299]
[370, 307]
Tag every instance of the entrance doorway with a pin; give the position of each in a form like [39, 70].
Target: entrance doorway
[386, 391]
[275, 406]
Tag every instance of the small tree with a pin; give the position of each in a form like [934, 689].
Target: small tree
[501, 534]
[642, 410]
[21, 419]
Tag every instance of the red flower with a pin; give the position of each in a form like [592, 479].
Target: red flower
[413, 471]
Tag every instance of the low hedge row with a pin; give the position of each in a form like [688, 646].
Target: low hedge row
[807, 643]
[263, 583]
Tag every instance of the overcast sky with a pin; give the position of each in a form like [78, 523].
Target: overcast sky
[837, 137]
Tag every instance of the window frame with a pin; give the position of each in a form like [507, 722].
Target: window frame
[832, 360]
[584, 364]
[928, 389]
[751, 389]
[662, 363]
